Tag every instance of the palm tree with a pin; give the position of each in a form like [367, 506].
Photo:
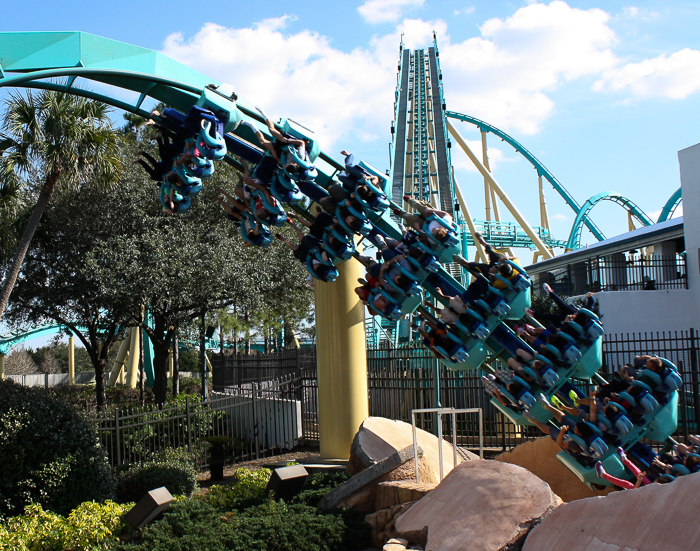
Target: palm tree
[13, 206]
[61, 137]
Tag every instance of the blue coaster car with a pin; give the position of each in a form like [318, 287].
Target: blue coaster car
[285, 189]
[306, 171]
[300, 132]
[210, 140]
[338, 244]
[191, 185]
[447, 248]
[366, 224]
[262, 239]
[278, 216]
[182, 202]
[324, 271]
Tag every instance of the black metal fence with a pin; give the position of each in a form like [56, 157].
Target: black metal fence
[268, 403]
[255, 420]
[620, 272]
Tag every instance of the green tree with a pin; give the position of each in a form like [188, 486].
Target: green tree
[60, 138]
[98, 271]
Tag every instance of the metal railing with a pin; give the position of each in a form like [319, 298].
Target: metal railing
[258, 420]
[618, 273]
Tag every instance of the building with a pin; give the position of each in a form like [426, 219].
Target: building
[647, 280]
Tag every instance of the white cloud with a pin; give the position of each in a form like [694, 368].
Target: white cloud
[465, 11]
[343, 97]
[461, 161]
[560, 218]
[505, 75]
[387, 11]
[675, 76]
[642, 14]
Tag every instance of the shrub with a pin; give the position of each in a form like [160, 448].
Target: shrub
[271, 526]
[318, 486]
[49, 454]
[173, 469]
[88, 527]
[249, 489]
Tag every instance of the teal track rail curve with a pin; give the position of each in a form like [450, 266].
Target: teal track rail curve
[539, 167]
[671, 205]
[575, 235]
[13, 338]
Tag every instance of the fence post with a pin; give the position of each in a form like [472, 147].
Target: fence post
[189, 424]
[694, 377]
[256, 421]
[117, 436]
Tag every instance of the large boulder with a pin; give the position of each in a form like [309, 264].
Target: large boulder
[480, 506]
[651, 518]
[379, 438]
[540, 458]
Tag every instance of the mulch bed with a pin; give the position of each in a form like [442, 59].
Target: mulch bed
[299, 453]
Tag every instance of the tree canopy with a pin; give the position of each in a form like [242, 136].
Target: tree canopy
[99, 257]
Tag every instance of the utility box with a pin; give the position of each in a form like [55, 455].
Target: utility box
[286, 482]
[148, 507]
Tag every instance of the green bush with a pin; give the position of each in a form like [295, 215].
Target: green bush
[247, 490]
[318, 485]
[90, 526]
[271, 526]
[172, 469]
[49, 454]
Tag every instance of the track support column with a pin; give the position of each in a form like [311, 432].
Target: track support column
[341, 356]
[71, 360]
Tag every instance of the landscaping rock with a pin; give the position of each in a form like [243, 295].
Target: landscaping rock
[395, 544]
[396, 492]
[383, 523]
[358, 492]
[540, 458]
[379, 437]
[480, 506]
[651, 518]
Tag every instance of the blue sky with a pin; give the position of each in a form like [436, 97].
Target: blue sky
[603, 93]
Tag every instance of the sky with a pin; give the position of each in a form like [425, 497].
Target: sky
[604, 94]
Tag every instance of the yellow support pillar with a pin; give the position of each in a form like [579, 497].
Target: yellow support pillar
[118, 367]
[2, 366]
[71, 360]
[171, 363]
[134, 354]
[341, 356]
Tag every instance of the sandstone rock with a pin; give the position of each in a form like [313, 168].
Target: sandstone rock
[358, 492]
[395, 544]
[651, 518]
[383, 523]
[379, 437]
[540, 458]
[396, 492]
[480, 506]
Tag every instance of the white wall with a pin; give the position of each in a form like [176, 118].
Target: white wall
[648, 311]
[689, 160]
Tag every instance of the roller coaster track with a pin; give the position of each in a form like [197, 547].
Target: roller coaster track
[41, 56]
[575, 236]
[13, 338]
[539, 167]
